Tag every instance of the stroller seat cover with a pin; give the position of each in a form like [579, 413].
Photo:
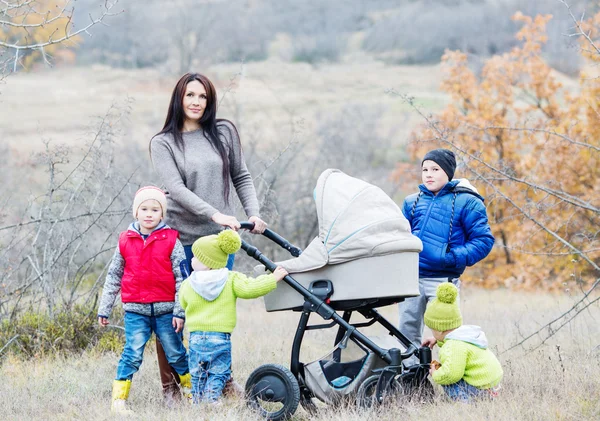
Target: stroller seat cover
[356, 220]
[313, 257]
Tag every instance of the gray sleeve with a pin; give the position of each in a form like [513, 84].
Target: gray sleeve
[112, 284]
[177, 257]
[240, 176]
[166, 167]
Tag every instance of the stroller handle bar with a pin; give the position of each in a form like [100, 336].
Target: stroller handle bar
[276, 238]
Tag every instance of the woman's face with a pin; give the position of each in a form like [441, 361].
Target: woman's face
[434, 177]
[194, 101]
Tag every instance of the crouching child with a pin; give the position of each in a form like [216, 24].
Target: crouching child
[469, 370]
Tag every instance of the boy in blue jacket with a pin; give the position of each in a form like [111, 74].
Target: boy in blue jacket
[451, 220]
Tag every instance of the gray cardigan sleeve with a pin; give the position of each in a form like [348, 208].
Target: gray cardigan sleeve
[112, 284]
[166, 168]
[240, 176]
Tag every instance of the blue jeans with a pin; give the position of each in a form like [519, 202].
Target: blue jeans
[464, 392]
[138, 329]
[188, 262]
[210, 364]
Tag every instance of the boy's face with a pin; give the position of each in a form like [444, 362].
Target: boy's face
[149, 215]
[434, 177]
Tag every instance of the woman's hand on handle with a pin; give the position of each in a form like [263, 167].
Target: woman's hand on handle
[259, 225]
[226, 221]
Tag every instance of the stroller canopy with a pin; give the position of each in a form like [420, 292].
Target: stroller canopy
[356, 220]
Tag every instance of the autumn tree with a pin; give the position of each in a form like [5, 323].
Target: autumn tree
[531, 145]
[36, 30]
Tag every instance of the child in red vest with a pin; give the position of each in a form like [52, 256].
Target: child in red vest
[146, 269]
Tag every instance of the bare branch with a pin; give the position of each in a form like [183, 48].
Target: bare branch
[59, 15]
[8, 343]
[549, 132]
[108, 6]
[578, 25]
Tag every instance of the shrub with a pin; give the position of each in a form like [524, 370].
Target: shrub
[71, 330]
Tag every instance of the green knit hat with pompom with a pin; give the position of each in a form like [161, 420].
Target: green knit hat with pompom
[214, 250]
[443, 312]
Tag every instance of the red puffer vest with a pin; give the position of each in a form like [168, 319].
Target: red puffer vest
[148, 275]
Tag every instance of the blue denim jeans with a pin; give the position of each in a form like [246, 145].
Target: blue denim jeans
[464, 392]
[186, 268]
[210, 364]
[138, 329]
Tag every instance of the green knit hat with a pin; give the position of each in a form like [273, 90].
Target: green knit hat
[443, 313]
[213, 250]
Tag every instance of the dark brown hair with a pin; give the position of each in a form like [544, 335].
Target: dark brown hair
[209, 123]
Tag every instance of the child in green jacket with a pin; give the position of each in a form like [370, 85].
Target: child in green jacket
[209, 297]
[468, 368]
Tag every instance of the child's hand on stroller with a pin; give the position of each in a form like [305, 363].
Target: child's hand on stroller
[102, 321]
[430, 342]
[279, 273]
[226, 221]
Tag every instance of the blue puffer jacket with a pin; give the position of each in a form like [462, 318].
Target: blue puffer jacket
[471, 237]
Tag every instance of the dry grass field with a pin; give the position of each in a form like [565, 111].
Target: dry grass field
[558, 381]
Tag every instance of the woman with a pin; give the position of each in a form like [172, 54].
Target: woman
[199, 160]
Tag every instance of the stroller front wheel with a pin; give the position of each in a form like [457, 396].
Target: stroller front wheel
[273, 391]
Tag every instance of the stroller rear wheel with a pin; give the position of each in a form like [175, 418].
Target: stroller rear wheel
[416, 386]
[366, 396]
[273, 391]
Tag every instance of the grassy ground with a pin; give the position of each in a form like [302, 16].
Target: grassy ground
[560, 380]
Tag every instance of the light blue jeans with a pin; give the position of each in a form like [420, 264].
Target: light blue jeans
[464, 392]
[210, 364]
[138, 329]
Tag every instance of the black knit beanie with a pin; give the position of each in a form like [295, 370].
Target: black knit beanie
[444, 158]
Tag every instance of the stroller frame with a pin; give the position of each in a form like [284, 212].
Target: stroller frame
[394, 377]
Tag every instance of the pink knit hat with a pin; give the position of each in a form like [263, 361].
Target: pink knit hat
[149, 193]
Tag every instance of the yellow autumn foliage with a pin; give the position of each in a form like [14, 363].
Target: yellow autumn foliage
[532, 148]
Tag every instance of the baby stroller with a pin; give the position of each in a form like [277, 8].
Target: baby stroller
[363, 258]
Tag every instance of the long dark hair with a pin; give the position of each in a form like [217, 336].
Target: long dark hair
[209, 123]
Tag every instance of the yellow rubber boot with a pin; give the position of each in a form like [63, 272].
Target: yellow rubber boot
[185, 381]
[120, 393]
